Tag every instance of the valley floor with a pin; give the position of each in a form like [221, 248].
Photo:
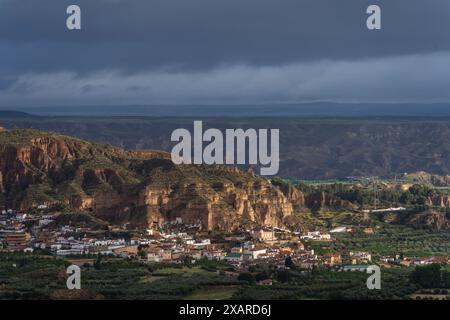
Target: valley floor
[41, 276]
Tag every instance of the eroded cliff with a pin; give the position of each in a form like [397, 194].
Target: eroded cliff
[132, 187]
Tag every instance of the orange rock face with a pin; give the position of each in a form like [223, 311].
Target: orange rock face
[119, 186]
[221, 206]
[442, 201]
[140, 188]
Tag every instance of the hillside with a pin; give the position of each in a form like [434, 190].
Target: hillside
[136, 187]
[141, 188]
[310, 148]
[14, 114]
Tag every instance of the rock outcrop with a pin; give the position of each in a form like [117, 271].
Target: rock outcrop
[132, 187]
[430, 219]
[438, 200]
[218, 205]
[324, 200]
[144, 188]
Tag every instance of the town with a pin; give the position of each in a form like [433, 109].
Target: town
[178, 243]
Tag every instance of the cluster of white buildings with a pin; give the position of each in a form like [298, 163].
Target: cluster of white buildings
[316, 235]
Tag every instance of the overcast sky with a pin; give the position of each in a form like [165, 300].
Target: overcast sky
[223, 51]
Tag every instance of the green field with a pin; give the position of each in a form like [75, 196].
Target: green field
[391, 240]
[38, 276]
[212, 293]
[177, 271]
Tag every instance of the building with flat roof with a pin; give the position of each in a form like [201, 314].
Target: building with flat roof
[17, 239]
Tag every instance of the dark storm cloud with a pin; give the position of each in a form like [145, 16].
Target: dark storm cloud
[126, 40]
[135, 34]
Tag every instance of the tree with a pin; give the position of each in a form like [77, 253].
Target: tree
[262, 276]
[446, 279]
[142, 253]
[289, 263]
[283, 276]
[98, 262]
[246, 276]
[427, 276]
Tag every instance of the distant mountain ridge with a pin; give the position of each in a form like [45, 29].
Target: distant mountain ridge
[14, 114]
[312, 109]
[310, 148]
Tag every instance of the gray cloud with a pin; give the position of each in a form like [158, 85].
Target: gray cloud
[220, 51]
[413, 78]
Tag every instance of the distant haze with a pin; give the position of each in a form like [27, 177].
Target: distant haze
[319, 109]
